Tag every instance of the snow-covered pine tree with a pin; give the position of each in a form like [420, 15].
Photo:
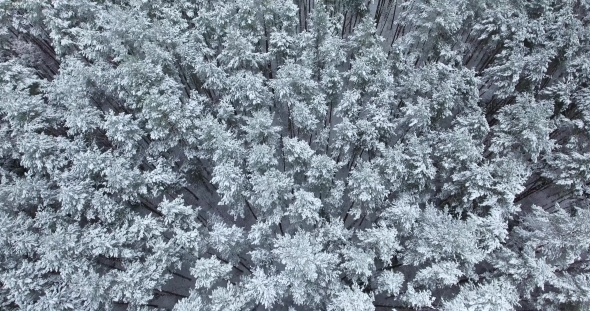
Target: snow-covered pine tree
[294, 155]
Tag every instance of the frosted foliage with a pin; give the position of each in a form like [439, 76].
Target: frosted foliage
[298, 155]
[390, 282]
[192, 303]
[358, 264]
[207, 271]
[418, 298]
[305, 206]
[266, 289]
[496, 295]
[441, 274]
[302, 256]
[351, 299]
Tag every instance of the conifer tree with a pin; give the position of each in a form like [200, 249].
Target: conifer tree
[294, 155]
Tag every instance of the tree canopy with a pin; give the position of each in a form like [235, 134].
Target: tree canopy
[336, 155]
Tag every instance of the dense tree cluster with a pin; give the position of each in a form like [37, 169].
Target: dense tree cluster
[337, 155]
